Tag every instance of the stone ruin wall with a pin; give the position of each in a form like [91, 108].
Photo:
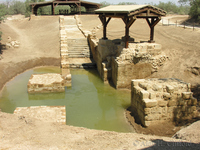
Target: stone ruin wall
[121, 65]
[162, 99]
[46, 83]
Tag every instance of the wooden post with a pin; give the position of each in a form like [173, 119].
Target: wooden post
[126, 36]
[52, 9]
[128, 23]
[105, 23]
[152, 24]
[152, 35]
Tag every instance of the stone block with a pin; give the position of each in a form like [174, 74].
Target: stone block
[189, 102]
[152, 117]
[194, 101]
[171, 109]
[172, 103]
[46, 83]
[162, 103]
[149, 103]
[144, 94]
[181, 102]
[152, 95]
[170, 89]
[186, 95]
[147, 111]
[136, 82]
[167, 96]
[145, 86]
[157, 88]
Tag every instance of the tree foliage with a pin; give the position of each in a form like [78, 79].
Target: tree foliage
[194, 11]
[172, 8]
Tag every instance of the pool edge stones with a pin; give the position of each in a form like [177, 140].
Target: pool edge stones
[55, 114]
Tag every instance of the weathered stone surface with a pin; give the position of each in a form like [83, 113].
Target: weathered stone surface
[168, 99]
[162, 103]
[55, 114]
[186, 95]
[144, 94]
[46, 83]
[170, 89]
[150, 103]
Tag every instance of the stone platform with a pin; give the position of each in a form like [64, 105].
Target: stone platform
[45, 113]
[162, 99]
[46, 83]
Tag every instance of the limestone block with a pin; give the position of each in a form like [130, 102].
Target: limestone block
[194, 101]
[156, 110]
[189, 102]
[167, 96]
[148, 103]
[181, 102]
[170, 89]
[172, 103]
[152, 95]
[162, 103]
[152, 117]
[144, 94]
[46, 83]
[186, 95]
[164, 111]
[136, 82]
[147, 111]
[145, 86]
[157, 88]
[171, 109]
[147, 123]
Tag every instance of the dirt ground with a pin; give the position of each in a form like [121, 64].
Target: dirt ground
[39, 46]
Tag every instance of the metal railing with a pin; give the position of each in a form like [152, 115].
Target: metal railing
[177, 23]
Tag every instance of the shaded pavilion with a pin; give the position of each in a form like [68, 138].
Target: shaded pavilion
[129, 14]
[72, 3]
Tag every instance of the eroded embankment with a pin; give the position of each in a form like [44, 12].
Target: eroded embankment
[10, 70]
[39, 45]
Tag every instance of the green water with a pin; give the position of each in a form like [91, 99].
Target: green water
[89, 102]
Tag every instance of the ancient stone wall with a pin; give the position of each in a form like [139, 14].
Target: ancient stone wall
[162, 99]
[138, 61]
[63, 45]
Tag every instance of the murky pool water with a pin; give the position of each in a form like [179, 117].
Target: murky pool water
[89, 102]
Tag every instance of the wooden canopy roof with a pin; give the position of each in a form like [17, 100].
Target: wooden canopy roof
[131, 10]
[55, 3]
[129, 13]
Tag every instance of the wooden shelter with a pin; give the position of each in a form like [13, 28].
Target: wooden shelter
[71, 3]
[129, 13]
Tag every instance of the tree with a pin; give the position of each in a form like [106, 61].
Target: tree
[127, 3]
[3, 12]
[195, 8]
[172, 8]
[17, 7]
[104, 4]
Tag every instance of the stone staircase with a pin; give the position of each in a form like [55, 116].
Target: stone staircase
[74, 47]
[78, 48]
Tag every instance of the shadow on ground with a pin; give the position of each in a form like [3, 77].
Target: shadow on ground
[164, 145]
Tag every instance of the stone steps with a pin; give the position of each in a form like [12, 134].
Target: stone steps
[78, 48]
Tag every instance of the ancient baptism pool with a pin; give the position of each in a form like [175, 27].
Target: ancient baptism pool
[89, 102]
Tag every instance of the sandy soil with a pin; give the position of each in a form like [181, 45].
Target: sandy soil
[39, 40]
